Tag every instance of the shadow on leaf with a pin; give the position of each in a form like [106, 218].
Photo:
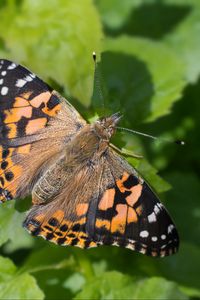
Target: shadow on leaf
[129, 87]
[153, 20]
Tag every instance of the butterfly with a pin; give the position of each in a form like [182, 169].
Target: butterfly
[83, 192]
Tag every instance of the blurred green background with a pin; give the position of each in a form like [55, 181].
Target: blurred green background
[149, 70]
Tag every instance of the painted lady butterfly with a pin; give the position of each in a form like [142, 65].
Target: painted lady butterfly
[83, 193]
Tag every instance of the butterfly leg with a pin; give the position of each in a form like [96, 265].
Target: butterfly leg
[125, 152]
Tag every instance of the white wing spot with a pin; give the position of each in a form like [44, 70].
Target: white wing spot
[160, 205]
[152, 217]
[3, 73]
[12, 66]
[4, 90]
[32, 75]
[144, 234]
[154, 238]
[170, 228]
[1, 81]
[156, 209]
[100, 243]
[142, 250]
[115, 244]
[163, 236]
[20, 82]
[130, 246]
[28, 78]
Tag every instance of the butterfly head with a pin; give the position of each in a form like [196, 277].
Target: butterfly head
[105, 127]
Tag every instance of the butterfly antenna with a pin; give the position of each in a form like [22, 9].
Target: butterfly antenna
[97, 79]
[179, 142]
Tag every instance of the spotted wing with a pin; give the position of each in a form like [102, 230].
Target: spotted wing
[106, 203]
[35, 122]
[130, 214]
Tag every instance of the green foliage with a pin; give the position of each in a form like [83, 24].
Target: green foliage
[9, 216]
[16, 284]
[147, 84]
[54, 33]
[149, 71]
[185, 39]
[128, 288]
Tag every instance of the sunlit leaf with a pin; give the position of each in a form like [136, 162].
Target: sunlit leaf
[15, 284]
[153, 82]
[114, 285]
[11, 228]
[184, 40]
[54, 41]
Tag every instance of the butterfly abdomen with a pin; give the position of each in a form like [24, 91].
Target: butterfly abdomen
[50, 184]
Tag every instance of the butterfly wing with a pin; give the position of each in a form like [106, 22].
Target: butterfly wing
[35, 123]
[106, 203]
[64, 220]
[134, 216]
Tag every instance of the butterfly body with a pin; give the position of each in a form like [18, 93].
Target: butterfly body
[83, 193]
[85, 149]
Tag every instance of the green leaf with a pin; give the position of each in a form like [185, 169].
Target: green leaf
[184, 268]
[39, 260]
[191, 292]
[158, 288]
[115, 285]
[76, 277]
[115, 12]
[184, 40]
[185, 195]
[153, 82]
[102, 287]
[54, 41]
[11, 228]
[57, 270]
[173, 22]
[151, 176]
[153, 19]
[15, 284]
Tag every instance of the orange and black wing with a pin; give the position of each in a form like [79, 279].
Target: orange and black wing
[110, 205]
[130, 215]
[34, 123]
